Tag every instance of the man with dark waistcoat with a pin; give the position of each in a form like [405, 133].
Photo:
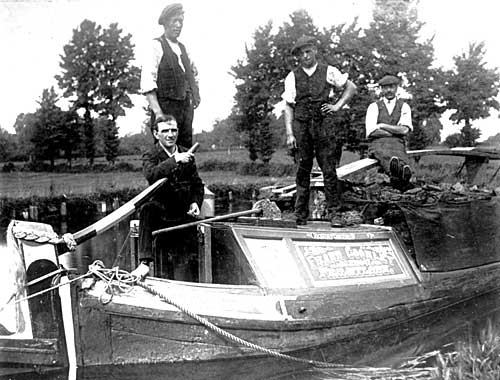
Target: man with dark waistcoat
[388, 122]
[308, 127]
[169, 77]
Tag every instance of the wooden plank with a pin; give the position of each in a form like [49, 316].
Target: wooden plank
[29, 351]
[459, 151]
[342, 171]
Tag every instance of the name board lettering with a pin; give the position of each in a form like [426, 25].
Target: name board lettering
[337, 262]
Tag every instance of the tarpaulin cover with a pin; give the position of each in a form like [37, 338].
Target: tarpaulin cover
[449, 236]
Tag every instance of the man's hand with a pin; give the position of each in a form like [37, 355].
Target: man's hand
[141, 271]
[194, 210]
[183, 157]
[291, 142]
[327, 108]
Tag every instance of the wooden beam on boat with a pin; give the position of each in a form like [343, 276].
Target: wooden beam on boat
[458, 151]
[342, 171]
[30, 351]
[118, 215]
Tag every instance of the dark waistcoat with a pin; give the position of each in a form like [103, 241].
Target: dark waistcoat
[311, 92]
[173, 82]
[383, 113]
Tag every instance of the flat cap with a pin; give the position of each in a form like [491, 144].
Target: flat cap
[168, 12]
[387, 80]
[303, 41]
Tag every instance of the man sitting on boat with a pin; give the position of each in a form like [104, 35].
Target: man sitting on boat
[176, 202]
[388, 122]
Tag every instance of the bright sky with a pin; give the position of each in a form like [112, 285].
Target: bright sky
[215, 32]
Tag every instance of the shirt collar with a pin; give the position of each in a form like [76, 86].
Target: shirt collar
[166, 151]
[310, 71]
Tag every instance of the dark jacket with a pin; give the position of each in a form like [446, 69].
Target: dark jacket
[183, 186]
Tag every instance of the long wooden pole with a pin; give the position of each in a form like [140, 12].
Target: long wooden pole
[118, 215]
[214, 219]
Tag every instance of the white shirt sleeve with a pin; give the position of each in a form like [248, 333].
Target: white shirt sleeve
[371, 119]
[290, 91]
[335, 77]
[149, 70]
[405, 118]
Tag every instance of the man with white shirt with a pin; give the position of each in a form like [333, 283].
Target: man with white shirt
[388, 122]
[169, 77]
[177, 201]
[308, 127]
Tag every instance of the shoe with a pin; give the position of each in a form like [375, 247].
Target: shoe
[394, 166]
[337, 221]
[406, 174]
[301, 222]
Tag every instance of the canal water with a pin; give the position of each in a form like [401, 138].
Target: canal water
[403, 343]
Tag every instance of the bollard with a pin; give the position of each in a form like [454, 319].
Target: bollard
[116, 203]
[134, 243]
[208, 205]
[63, 210]
[33, 212]
[102, 207]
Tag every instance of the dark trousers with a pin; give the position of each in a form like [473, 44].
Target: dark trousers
[315, 138]
[183, 112]
[175, 254]
[383, 148]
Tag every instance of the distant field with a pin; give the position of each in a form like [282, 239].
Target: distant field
[29, 184]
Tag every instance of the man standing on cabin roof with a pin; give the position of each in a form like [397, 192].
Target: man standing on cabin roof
[169, 77]
[177, 201]
[308, 128]
[388, 122]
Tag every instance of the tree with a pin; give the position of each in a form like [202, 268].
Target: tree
[47, 127]
[97, 76]
[8, 145]
[117, 80]
[471, 91]
[24, 127]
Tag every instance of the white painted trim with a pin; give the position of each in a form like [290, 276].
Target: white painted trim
[67, 315]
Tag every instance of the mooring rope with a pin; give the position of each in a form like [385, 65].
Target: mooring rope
[125, 281]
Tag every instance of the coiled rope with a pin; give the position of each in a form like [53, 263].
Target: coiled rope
[124, 281]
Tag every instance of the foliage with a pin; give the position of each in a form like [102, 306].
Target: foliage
[24, 131]
[222, 136]
[8, 145]
[471, 90]
[478, 360]
[135, 143]
[97, 76]
[48, 122]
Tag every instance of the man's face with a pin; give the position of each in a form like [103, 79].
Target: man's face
[389, 91]
[173, 26]
[167, 133]
[307, 56]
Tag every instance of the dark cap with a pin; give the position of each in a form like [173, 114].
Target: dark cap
[303, 41]
[388, 80]
[169, 11]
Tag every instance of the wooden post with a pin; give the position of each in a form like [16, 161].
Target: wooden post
[134, 243]
[205, 254]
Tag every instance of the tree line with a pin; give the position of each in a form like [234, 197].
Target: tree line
[96, 81]
[97, 78]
